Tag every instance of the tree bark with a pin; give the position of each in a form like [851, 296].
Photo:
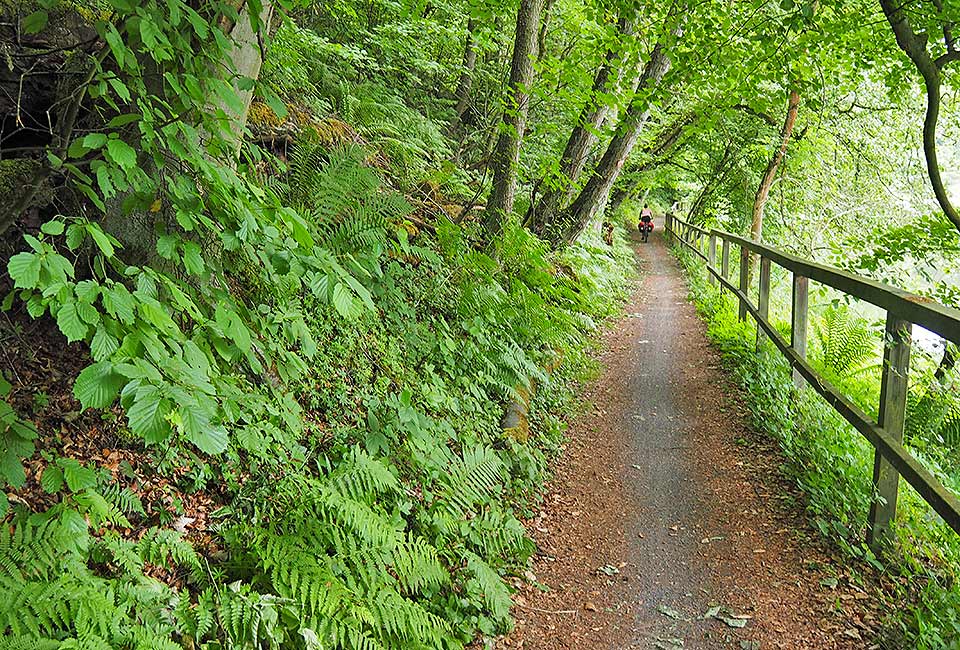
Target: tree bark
[543, 213]
[763, 192]
[506, 154]
[593, 197]
[948, 362]
[247, 58]
[544, 28]
[466, 72]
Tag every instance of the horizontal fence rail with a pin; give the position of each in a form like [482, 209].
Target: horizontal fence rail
[891, 459]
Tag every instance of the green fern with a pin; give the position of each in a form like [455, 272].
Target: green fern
[847, 342]
[27, 642]
[418, 567]
[472, 480]
[933, 414]
[491, 587]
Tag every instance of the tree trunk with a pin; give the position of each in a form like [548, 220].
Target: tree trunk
[763, 192]
[247, 57]
[544, 27]
[543, 213]
[506, 154]
[653, 155]
[466, 72]
[593, 197]
[948, 362]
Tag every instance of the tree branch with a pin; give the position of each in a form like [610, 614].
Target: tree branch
[61, 140]
[915, 47]
[766, 117]
[947, 58]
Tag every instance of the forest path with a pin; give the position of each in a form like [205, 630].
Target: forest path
[668, 523]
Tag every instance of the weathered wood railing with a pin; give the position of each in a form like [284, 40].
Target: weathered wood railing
[891, 458]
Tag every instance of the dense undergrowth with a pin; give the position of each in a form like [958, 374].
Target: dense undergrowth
[367, 495]
[285, 426]
[833, 464]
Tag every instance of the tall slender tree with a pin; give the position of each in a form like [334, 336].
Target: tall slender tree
[506, 153]
[465, 82]
[763, 191]
[583, 136]
[593, 197]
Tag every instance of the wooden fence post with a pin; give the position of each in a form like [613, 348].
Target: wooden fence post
[893, 412]
[798, 322]
[712, 257]
[763, 302]
[744, 279]
[725, 260]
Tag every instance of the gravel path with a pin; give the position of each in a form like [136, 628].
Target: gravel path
[668, 524]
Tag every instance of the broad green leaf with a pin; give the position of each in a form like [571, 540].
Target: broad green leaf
[24, 270]
[76, 475]
[94, 140]
[192, 259]
[103, 345]
[273, 101]
[87, 291]
[343, 301]
[36, 306]
[120, 88]
[232, 325]
[120, 303]
[122, 154]
[147, 415]
[104, 182]
[167, 246]
[52, 479]
[97, 385]
[197, 428]
[117, 47]
[152, 311]
[70, 323]
[75, 236]
[11, 468]
[88, 313]
[123, 120]
[54, 227]
[101, 239]
[35, 22]
[74, 523]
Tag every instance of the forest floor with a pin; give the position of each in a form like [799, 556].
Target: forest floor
[670, 523]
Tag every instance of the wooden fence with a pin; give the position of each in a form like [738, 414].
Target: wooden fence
[891, 459]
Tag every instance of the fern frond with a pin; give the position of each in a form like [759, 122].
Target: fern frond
[847, 342]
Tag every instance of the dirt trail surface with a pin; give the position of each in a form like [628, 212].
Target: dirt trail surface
[669, 524]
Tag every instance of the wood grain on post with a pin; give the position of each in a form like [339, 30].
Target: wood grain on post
[893, 415]
[763, 303]
[725, 260]
[798, 321]
[744, 280]
[712, 257]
